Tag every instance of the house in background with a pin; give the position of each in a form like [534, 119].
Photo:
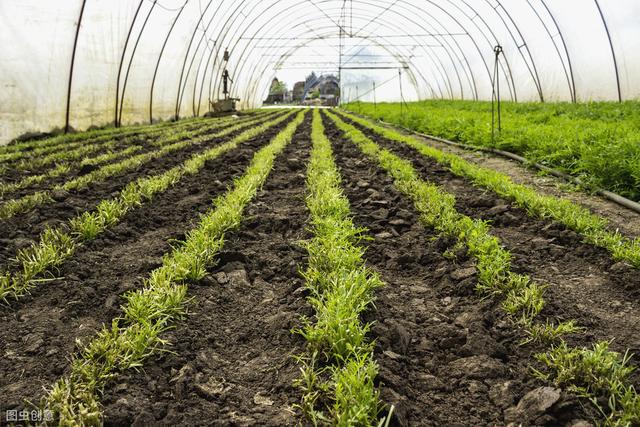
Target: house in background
[318, 90]
[322, 90]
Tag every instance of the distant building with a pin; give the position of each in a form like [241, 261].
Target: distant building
[326, 88]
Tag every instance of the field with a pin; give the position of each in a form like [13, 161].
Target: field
[313, 267]
[597, 142]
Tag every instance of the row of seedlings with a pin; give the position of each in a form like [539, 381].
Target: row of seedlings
[573, 216]
[148, 312]
[167, 145]
[56, 245]
[108, 143]
[22, 157]
[339, 371]
[596, 373]
[65, 165]
[64, 168]
[73, 140]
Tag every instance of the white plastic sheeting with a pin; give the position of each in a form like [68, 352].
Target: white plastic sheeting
[142, 60]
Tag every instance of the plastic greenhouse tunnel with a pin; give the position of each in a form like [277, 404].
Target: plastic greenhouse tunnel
[320, 212]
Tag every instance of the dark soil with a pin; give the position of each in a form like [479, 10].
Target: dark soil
[446, 356]
[584, 282]
[21, 230]
[234, 362]
[38, 331]
[15, 175]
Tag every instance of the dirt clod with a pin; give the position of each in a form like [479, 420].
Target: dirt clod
[533, 404]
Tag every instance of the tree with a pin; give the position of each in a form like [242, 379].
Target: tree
[277, 87]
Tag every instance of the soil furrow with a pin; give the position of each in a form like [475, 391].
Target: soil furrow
[39, 331]
[446, 356]
[146, 142]
[585, 283]
[123, 141]
[22, 229]
[233, 363]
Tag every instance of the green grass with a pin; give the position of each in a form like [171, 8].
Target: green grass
[597, 142]
[339, 372]
[150, 311]
[437, 209]
[593, 228]
[57, 245]
[65, 143]
[167, 145]
[595, 374]
[598, 374]
[63, 169]
[65, 139]
[155, 137]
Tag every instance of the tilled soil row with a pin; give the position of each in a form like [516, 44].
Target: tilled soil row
[13, 175]
[585, 283]
[446, 356]
[21, 230]
[233, 360]
[38, 332]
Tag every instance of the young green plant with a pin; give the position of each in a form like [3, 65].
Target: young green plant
[596, 373]
[57, 245]
[575, 217]
[341, 289]
[150, 311]
[24, 204]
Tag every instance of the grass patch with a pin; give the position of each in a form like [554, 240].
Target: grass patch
[592, 228]
[521, 297]
[159, 137]
[57, 245]
[167, 145]
[597, 142]
[63, 143]
[129, 340]
[338, 376]
[595, 374]
[88, 136]
[598, 374]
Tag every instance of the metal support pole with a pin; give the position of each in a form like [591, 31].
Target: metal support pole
[495, 94]
[613, 51]
[401, 96]
[124, 51]
[340, 66]
[73, 60]
[375, 104]
[155, 72]
[133, 53]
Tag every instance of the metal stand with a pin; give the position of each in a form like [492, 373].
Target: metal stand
[375, 104]
[403, 103]
[227, 104]
[495, 95]
[401, 97]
